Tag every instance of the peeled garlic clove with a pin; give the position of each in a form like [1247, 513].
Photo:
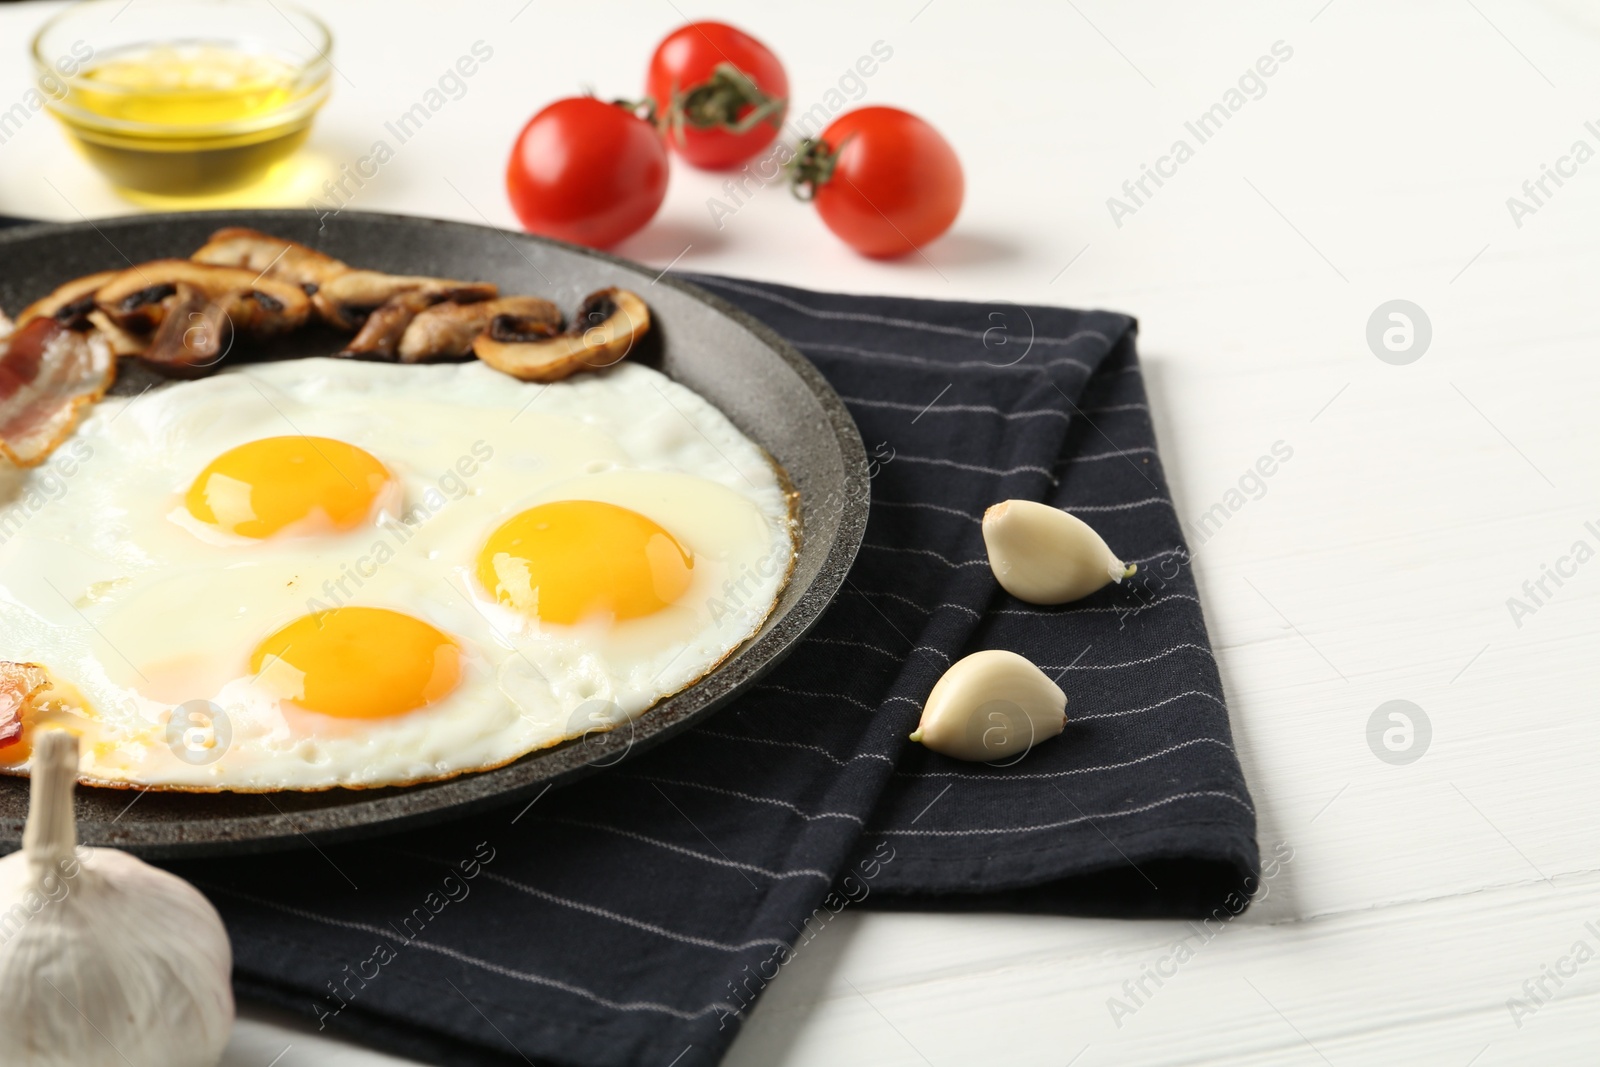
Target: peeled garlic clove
[1043, 555]
[991, 705]
[105, 961]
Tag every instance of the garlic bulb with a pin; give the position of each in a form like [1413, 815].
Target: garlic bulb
[991, 705]
[1045, 556]
[105, 961]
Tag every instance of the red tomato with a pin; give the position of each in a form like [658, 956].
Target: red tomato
[883, 180]
[586, 171]
[716, 119]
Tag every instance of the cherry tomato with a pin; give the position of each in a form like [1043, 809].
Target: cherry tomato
[586, 171]
[721, 93]
[883, 180]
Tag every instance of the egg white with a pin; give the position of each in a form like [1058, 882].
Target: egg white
[135, 612]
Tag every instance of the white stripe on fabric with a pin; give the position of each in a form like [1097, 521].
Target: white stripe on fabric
[1129, 506]
[930, 507]
[978, 520]
[1148, 707]
[975, 468]
[818, 749]
[1130, 663]
[900, 357]
[1132, 609]
[946, 560]
[852, 644]
[1070, 460]
[907, 600]
[751, 797]
[638, 924]
[959, 409]
[1065, 822]
[861, 316]
[493, 968]
[884, 651]
[592, 909]
[1158, 555]
[719, 861]
[1115, 407]
[1067, 773]
[772, 688]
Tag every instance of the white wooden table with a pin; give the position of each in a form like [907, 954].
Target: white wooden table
[1377, 565]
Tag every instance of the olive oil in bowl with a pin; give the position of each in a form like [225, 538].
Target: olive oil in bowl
[191, 115]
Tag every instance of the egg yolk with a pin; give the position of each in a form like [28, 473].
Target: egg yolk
[359, 663]
[259, 488]
[577, 559]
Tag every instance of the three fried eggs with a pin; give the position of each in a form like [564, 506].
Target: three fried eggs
[324, 573]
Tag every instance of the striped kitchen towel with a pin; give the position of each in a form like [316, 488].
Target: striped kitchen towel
[635, 917]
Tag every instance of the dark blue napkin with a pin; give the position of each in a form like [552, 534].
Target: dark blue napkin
[636, 916]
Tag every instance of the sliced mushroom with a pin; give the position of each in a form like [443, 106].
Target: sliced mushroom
[380, 336]
[342, 297]
[608, 324]
[138, 298]
[70, 304]
[195, 334]
[448, 330]
[121, 341]
[283, 260]
[347, 299]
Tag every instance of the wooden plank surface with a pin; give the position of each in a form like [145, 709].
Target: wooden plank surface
[1375, 164]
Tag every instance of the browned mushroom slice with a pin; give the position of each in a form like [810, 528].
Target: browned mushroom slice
[447, 330]
[347, 299]
[277, 258]
[379, 337]
[70, 304]
[194, 336]
[121, 341]
[138, 298]
[606, 328]
[260, 312]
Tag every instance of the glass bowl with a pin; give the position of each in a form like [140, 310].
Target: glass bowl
[184, 98]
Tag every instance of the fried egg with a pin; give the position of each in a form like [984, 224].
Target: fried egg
[320, 572]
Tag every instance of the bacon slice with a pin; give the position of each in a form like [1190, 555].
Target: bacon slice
[48, 374]
[20, 683]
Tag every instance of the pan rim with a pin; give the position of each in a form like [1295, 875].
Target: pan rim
[410, 806]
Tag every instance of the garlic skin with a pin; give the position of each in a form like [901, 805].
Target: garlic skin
[991, 705]
[1043, 555]
[105, 961]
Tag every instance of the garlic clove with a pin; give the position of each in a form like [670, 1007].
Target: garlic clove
[991, 705]
[1043, 555]
[105, 961]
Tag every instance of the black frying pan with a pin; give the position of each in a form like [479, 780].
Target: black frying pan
[762, 383]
